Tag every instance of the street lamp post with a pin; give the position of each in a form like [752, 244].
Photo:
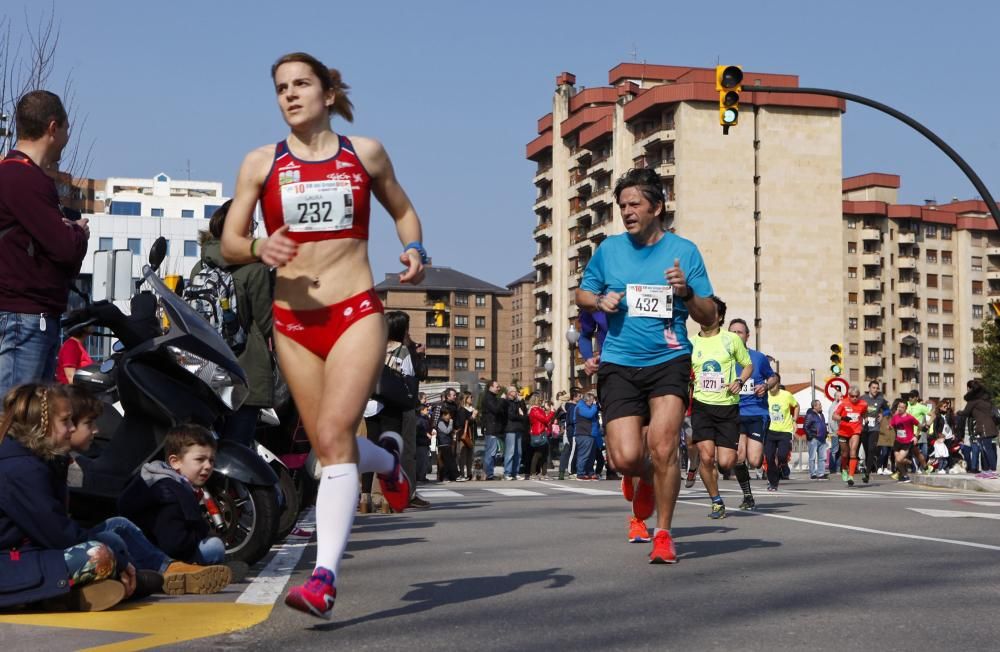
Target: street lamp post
[549, 368]
[572, 337]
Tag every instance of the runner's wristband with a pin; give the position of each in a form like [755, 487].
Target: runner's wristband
[253, 245]
[420, 250]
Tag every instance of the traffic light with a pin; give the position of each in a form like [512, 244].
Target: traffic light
[728, 81]
[836, 359]
[439, 311]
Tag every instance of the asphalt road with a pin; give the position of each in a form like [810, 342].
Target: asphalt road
[818, 567]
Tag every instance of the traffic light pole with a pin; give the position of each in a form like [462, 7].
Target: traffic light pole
[977, 183]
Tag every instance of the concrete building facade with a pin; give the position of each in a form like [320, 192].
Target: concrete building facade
[760, 202]
[521, 321]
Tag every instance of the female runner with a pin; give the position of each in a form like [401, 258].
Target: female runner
[330, 333]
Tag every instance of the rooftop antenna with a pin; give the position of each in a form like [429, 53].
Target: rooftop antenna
[634, 53]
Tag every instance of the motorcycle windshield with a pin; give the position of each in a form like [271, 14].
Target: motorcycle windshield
[185, 319]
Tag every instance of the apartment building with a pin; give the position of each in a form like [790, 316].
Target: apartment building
[520, 319]
[461, 320]
[918, 285]
[760, 202]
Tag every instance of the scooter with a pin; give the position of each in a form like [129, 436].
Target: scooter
[171, 367]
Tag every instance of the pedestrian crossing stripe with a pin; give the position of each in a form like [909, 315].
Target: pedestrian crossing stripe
[515, 493]
[948, 513]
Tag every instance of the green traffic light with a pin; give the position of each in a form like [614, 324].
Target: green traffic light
[835, 369]
[729, 116]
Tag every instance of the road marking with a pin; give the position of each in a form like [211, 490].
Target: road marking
[856, 528]
[948, 513]
[514, 492]
[983, 503]
[438, 493]
[580, 490]
[271, 581]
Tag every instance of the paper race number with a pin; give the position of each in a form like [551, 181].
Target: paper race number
[748, 387]
[326, 205]
[712, 381]
[650, 300]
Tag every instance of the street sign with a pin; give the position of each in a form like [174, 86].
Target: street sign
[835, 384]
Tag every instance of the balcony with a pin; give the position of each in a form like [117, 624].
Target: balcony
[543, 174]
[871, 360]
[645, 141]
[666, 168]
[543, 287]
[993, 252]
[543, 342]
[909, 362]
[542, 226]
[543, 316]
[871, 234]
[872, 335]
[601, 165]
[871, 259]
[907, 262]
[907, 238]
[542, 255]
[993, 275]
[602, 195]
[993, 291]
[906, 312]
[871, 310]
[907, 386]
[872, 284]
[906, 287]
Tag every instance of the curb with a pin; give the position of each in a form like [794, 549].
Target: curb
[965, 483]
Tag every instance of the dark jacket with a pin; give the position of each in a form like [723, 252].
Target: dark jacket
[586, 420]
[423, 428]
[569, 418]
[254, 297]
[35, 528]
[494, 414]
[815, 425]
[979, 408]
[39, 253]
[164, 505]
[458, 417]
[517, 417]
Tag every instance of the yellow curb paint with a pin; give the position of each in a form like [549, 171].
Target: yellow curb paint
[161, 623]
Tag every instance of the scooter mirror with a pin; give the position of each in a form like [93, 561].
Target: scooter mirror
[118, 347]
[107, 366]
[157, 252]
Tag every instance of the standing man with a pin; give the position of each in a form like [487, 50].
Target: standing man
[40, 249]
[871, 426]
[494, 424]
[753, 413]
[648, 281]
[567, 455]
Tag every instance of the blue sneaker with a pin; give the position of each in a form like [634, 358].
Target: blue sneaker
[718, 511]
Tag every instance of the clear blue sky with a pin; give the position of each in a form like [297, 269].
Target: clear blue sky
[453, 89]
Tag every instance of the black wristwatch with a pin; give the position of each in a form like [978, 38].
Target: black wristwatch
[689, 296]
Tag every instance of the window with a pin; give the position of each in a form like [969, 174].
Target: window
[461, 342]
[852, 247]
[437, 341]
[932, 306]
[162, 178]
[135, 246]
[191, 248]
[852, 348]
[106, 244]
[480, 364]
[187, 212]
[949, 355]
[977, 312]
[934, 379]
[946, 258]
[947, 306]
[946, 235]
[854, 375]
[461, 299]
[932, 280]
[977, 287]
[852, 223]
[157, 212]
[480, 322]
[852, 272]
[210, 210]
[947, 330]
[480, 300]
[461, 321]
[852, 323]
[949, 380]
[126, 208]
[480, 342]
[852, 298]
[461, 364]
[947, 282]
[932, 330]
[977, 335]
[977, 263]
[933, 355]
[932, 255]
[930, 231]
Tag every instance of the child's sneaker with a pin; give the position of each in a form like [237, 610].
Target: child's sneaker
[395, 485]
[180, 578]
[316, 596]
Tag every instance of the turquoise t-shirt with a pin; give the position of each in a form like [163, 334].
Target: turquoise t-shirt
[634, 341]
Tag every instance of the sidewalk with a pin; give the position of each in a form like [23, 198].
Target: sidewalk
[964, 482]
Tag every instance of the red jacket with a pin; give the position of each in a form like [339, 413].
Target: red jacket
[540, 420]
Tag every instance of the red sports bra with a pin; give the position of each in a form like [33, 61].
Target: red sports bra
[319, 200]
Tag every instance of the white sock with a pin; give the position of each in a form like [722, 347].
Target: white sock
[336, 502]
[374, 458]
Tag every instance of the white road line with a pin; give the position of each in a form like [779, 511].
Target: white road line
[950, 513]
[268, 585]
[984, 503]
[438, 493]
[855, 528]
[580, 490]
[514, 492]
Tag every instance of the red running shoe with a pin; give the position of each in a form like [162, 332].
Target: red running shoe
[628, 489]
[316, 596]
[395, 485]
[637, 532]
[644, 501]
[663, 549]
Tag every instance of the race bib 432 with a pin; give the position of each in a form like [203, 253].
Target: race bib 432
[650, 300]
